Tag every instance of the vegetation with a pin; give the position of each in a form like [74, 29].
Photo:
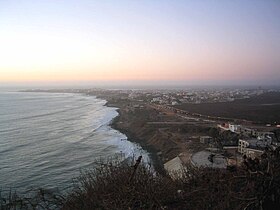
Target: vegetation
[264, 108]
[133, 185]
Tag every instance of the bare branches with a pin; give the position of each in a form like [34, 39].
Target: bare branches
[129, 184]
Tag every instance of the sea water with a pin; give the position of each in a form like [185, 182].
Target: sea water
[46, 139]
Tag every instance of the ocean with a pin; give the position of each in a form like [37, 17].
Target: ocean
[46, 139]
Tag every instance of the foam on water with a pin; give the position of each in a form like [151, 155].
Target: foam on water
[46, 138]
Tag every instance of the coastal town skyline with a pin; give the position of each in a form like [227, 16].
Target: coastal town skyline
[142, 43]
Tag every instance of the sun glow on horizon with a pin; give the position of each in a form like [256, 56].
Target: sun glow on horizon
[135, 41]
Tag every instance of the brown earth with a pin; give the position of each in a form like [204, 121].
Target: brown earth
[163, 135]
[264, 108]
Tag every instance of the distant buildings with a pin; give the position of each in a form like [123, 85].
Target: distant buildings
[253, 147]
[205, 139]
[172, 97]
[224, 126]
[208, 159]
[175, 167]
[253, 141]
[250, 132]
[230, 127]
[234, 128]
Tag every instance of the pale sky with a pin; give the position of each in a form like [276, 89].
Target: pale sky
[148, 40]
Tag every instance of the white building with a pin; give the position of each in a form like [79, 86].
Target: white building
[234, 128]
[174, 167]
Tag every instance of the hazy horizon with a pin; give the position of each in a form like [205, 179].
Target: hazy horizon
[140, 43]
[130, 85]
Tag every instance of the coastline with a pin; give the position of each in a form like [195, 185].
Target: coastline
[135, 120]
[111, 101]
[163, 134]
[152, 153]
[71, 130]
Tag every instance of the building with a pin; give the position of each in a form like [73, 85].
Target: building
[252, 147]
[254, 153]
[175, 167]
[247, 131]
[205, 139]
[232, 150]
[224, 126]
[230, 127]
[208, 159]
[264, 135]
[234, 128]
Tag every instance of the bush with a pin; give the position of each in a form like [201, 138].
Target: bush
[132, 185]
[121, 185]
[255, 185]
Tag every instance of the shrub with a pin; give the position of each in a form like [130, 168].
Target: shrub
[130, 184]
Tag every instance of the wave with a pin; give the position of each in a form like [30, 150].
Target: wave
[44, 115]
[59, 145]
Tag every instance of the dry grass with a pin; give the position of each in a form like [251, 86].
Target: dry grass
[133, 185]
[121, 186]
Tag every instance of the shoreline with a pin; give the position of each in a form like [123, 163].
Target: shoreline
[152, 153]
[144, 124]
[162, 134]
[151, 150]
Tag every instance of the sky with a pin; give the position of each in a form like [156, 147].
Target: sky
[143, 42]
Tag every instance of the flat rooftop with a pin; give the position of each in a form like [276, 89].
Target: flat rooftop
[201, 159]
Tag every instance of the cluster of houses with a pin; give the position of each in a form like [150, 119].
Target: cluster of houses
[173, 97]
[252, 144]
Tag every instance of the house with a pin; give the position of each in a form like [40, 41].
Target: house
[264, 135]
[230, 127]
[254, 153]
[206, 158]
[247, 131]
[230, 149]
[174, 167]
[252, 147]
[234, 128]
[205, 139]
[224, 126]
